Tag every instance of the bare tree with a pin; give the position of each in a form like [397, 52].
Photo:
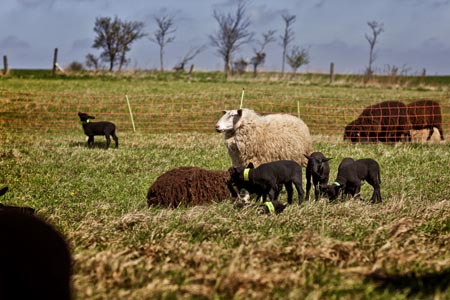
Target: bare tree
[129, 32]
[377, 29]
[92, 61]
[115, 38]
[190, 55]
[260, 55]
[163, 35]
[232, 34]
[287, 37]
[297, 57]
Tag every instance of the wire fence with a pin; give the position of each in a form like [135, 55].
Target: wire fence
[24, 113]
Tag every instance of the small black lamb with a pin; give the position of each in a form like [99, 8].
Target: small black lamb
[349, 178]
[318, 170]
[267, 178]
[98, 128]
[22, 209]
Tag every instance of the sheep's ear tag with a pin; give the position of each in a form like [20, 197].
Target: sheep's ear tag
[270, 206]
[85, 122]
[246, 171]
[336, 183]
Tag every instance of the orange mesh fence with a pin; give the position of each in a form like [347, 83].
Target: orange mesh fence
[47, 113]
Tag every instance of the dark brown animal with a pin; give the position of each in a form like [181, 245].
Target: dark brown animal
[384, 122]
[189, 186]
[426, 114]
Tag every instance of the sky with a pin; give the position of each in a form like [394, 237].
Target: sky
[416, 33]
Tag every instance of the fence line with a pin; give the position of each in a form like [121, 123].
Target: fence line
[57, 112]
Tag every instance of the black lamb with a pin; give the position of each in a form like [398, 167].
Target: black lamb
[318, 170]
[92, 129]
[267, 178]
[350, 176]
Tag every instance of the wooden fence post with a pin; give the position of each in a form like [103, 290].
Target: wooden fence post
[5, 65]
[55, 61]
[331, 72]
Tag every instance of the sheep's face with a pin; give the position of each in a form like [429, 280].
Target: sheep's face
[316, 165]
[330, 191]
[231, 120]
[84, 117]
[236, 174]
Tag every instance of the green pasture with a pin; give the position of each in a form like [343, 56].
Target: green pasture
[122, 249]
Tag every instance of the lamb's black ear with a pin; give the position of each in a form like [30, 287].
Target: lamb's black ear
[3, 190]
[308, 157]
[326, 159]
[91, 117]
[224, 111]
[250, 166]
[239, 111]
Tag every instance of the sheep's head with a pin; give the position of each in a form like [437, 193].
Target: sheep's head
[231, 120]
[316, 164]
[331, 191]
[85, 117]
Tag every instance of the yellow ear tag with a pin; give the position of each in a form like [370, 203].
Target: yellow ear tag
[246, 171]
[270, 206]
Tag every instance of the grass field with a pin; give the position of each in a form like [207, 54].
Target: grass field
[398, 249]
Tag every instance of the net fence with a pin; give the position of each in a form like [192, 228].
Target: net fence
[25, 113]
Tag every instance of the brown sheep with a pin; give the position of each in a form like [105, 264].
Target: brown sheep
[382, 122]
[189, 186]
[426, 114]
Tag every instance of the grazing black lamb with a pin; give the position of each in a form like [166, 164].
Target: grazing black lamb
[351, 174]
[267, 178]
[318, 170]
[23, 209]
[92, 129]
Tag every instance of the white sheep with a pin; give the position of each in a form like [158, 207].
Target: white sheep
[250, 137]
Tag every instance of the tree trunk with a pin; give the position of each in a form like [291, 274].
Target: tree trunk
[161, 50]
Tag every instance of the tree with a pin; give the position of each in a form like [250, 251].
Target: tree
[163, 35]
[92, 62]
[297, 58]
[193, 52]
[377, 29]
[287, 37]
[233, 32]
[260, 55]
[115, 38]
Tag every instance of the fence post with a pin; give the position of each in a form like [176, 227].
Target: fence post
[55, 61]
[331, 72]
[5, 65]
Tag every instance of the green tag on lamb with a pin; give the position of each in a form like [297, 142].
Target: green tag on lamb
[270, 206]
[246, 171]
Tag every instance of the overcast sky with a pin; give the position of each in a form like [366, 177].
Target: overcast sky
[416, 32]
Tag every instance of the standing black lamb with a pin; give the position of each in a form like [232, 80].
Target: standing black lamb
[92, 129]
[318, 170]
[350, 176]
[382, 122]
[426, 114]
[267, 178]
